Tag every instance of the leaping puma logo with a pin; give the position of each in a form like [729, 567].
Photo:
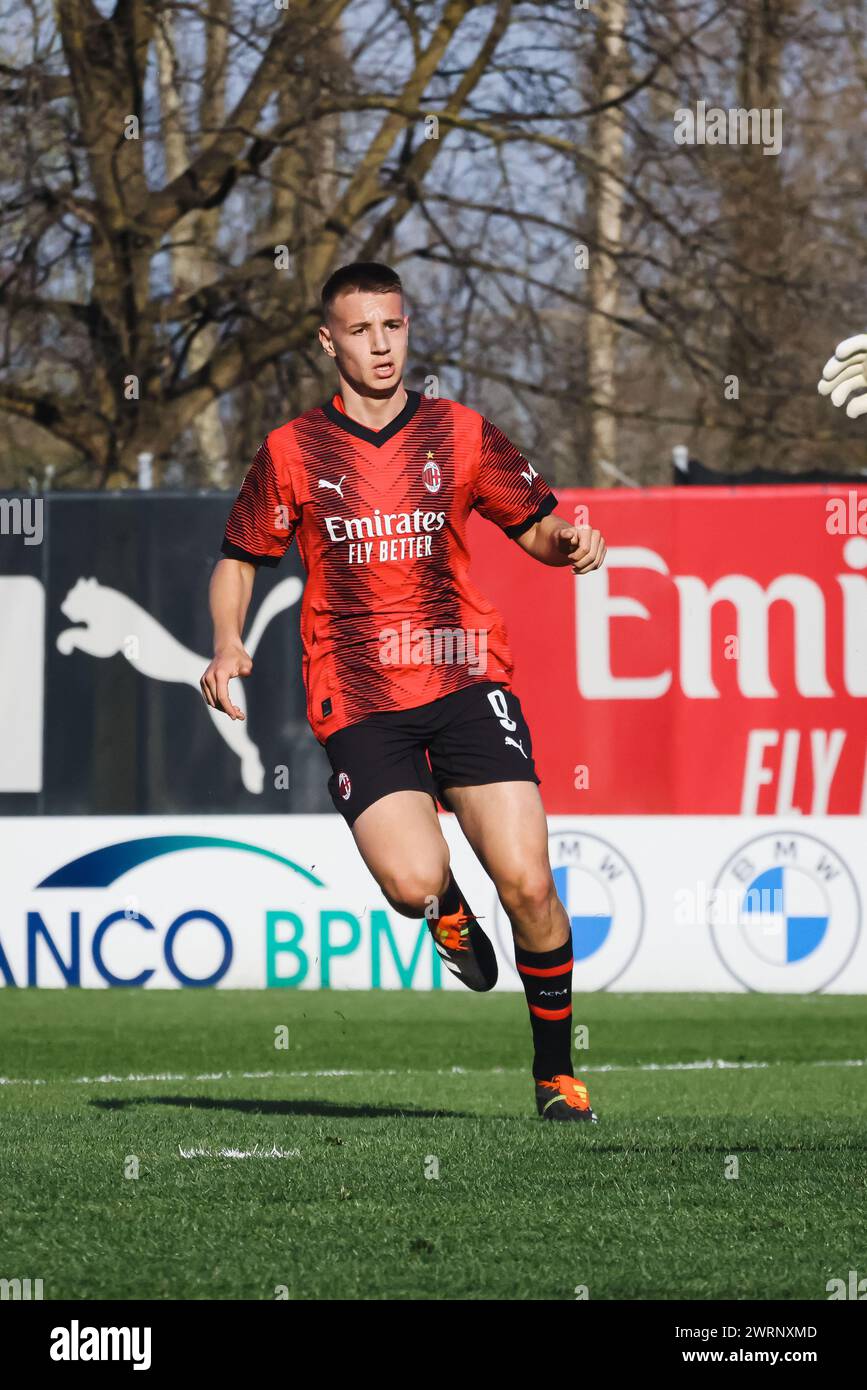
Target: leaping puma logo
[515, 744]
[338, 487]
[115, 623]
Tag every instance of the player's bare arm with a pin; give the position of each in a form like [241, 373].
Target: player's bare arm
[552, 541]
[230, 592]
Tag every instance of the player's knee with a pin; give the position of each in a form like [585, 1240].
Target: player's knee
[528, 896]
[411, 890]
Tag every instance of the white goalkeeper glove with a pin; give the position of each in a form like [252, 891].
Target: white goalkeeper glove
[846, 372]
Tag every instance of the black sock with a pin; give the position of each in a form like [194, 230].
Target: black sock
[547, 980]
[451, 900]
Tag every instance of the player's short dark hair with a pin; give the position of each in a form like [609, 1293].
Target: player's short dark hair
[372, 276]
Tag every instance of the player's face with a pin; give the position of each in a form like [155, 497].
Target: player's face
[367, 335]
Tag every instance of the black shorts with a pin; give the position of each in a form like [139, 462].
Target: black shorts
[475, 736]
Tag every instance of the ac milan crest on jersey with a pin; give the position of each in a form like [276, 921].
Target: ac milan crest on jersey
[433, 478]
[344, 786]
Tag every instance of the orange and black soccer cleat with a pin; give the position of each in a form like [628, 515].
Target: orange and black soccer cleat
[465, 950]
[564, 1098]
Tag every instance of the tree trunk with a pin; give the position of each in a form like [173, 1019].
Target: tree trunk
[606, 195]
[194, 241]
[755, 181]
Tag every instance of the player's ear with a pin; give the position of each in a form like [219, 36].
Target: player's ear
[325, 340]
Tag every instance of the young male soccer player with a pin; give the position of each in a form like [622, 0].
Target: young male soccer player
[377, 485]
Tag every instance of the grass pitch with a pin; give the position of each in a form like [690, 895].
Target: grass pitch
[409, 1178]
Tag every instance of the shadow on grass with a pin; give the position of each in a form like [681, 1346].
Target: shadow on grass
[630, 1148]
[324, 1108]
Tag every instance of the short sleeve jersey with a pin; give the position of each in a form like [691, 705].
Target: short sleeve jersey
[389, 617]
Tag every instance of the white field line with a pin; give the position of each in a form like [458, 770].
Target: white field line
[255, 1152]
[709, 1064]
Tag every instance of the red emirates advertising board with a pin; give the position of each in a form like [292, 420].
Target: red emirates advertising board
[716, 665]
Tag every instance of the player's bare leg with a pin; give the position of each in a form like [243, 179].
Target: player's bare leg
[505, 824]
[401, 843]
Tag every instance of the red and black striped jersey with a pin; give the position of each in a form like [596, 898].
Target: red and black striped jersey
[389, 617]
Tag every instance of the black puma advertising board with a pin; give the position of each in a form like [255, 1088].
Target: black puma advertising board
[105, 633]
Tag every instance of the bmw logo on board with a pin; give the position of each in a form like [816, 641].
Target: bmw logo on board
[785, 914]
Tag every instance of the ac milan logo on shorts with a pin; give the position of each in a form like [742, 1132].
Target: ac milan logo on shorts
[344, 786]
[433, 478]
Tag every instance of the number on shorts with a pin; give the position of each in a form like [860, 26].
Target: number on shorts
[501, 710]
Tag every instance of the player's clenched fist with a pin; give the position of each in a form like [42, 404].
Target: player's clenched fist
[845, 373]
[584, 547]
[231, 662]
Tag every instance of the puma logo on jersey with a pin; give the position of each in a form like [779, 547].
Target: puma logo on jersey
[337, 487]
[530, 474]
[515, 744]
